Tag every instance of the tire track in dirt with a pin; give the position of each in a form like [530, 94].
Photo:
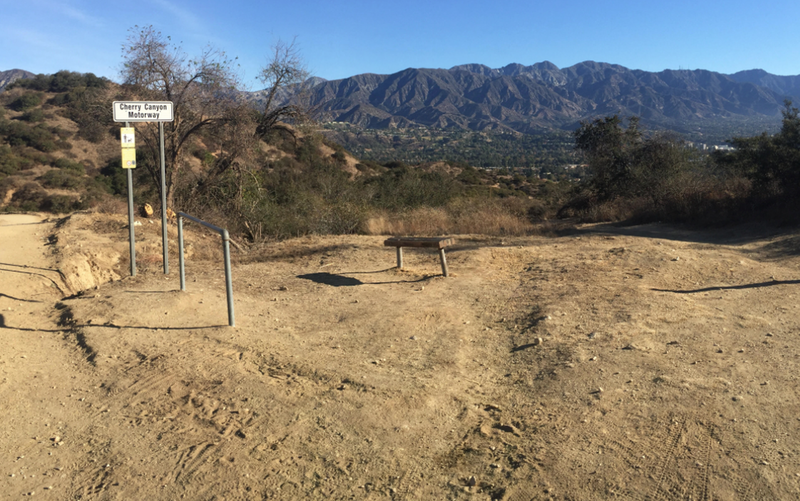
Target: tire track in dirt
[672, 459]
[665, 468]
[158, 393]
[92, 481]
[189, 461]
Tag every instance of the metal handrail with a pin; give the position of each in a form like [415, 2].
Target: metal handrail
[226, 250]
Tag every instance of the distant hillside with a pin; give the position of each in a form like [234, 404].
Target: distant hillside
[7, 77]
[542, 96]
[784, 85]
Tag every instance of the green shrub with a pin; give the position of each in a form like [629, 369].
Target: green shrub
[61, 81]
[35, 156]
[61, 133]
[87, 107]
[67, 164]
[66, 179]
[59, 100]
[29, 196]
[403, 188]
[6, 184]
[113, 177]
[470, 175]
[369, 166]
[60, 204]
[339, 156]
[308, 152]
[208, 159]
[394, 164]
[537, 211]
[22, 134]
[333, 145]
[770, 161]
[287, 164]
[640, 178]
[34, 115]
[64, 81]
[10, 162]
[27, 101]
[40, 82]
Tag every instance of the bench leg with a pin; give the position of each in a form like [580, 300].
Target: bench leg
[399, 258]
[444, 262]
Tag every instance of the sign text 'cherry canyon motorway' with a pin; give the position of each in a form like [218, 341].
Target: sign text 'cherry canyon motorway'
[143, 111]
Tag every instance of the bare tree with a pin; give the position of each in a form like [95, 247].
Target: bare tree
[285, 84]
[202, 90]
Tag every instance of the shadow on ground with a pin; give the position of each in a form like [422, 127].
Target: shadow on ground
[26, 267]
[19, 298]
[732, 287]
[736, 235]
[335, 280]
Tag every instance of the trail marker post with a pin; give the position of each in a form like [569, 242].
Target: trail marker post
[144, 111]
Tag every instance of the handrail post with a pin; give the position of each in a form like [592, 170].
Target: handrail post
[226, 250]
[180, 253]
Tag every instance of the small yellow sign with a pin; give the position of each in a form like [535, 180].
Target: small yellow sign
[128, 158]
[128, 138]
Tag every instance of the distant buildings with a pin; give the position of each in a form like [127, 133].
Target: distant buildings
[711, 147]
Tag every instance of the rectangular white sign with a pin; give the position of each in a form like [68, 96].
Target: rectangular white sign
[143, 111]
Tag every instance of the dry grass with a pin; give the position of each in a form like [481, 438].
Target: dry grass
[691, 198]
[112, 205]
[463, 217]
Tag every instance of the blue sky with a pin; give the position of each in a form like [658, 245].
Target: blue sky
[347, 37]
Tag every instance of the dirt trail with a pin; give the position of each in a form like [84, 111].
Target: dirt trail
[40, 373]
[655, 364]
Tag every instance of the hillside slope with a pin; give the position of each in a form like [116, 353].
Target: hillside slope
[60, 152]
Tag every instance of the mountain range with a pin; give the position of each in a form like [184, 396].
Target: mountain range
[542, 96]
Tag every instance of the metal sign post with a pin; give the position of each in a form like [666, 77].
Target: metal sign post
[163, 200]
[146, 111]
[128, 142]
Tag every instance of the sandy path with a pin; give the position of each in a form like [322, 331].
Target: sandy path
[39, 376]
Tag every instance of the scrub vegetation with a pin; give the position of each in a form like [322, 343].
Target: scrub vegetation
[262, 167]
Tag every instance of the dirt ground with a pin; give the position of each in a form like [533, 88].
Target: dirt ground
[644, 363]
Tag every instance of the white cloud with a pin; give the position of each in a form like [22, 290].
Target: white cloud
[79, 15]
[72, 12]
[32, 39]
[185, 17]
[45, 52]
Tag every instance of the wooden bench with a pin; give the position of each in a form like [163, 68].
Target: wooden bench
[435, 243]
